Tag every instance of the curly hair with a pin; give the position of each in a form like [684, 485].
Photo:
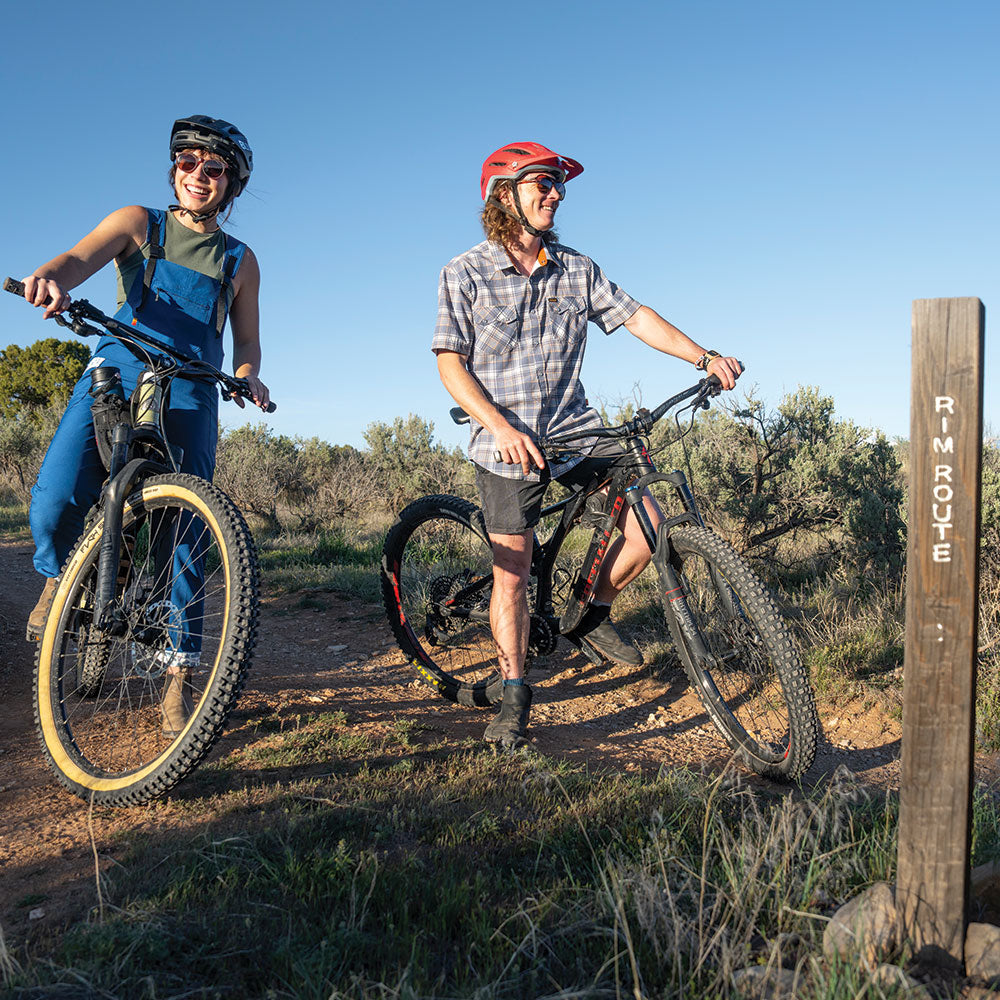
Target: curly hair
[502, 229]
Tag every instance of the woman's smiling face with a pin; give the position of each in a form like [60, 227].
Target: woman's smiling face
[198, 191]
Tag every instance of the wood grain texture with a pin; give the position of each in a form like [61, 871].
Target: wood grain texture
[941, 625]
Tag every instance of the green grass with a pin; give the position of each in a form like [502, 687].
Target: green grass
[14, 520]
[988, 705]
[318, 863]
[327, 558]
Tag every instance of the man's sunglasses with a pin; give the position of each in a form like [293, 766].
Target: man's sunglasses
[188, 162]
[545, 183]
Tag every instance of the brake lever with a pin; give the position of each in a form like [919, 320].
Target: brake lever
[77, 325]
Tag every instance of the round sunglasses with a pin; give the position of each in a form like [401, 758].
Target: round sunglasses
[188, 162]
[545, 183]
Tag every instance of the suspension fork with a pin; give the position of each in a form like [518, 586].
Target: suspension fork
[675, 599]
[672, 590]
[692, 515]
[122, 477]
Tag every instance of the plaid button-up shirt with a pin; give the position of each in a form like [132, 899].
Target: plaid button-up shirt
[524, 338]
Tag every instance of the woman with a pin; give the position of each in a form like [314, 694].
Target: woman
[179, 277]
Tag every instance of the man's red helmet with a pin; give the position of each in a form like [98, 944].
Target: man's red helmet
[519, 158]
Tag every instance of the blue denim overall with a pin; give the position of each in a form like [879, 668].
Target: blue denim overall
[185, 309]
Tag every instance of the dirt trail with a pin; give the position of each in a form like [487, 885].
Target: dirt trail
[326, 654]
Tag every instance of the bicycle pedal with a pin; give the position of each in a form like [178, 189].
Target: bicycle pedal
[588, 651]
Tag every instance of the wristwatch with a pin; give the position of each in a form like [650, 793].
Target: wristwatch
[706, 359]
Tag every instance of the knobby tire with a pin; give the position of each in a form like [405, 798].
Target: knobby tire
[755, 687]
[437, 579]
[98, 696]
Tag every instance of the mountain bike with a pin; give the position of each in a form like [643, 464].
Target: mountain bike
[738, 654]
[160, 590]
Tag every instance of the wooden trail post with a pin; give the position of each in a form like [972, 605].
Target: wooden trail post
[942, 586]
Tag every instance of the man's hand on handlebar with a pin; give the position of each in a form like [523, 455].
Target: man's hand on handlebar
[45, 292]
[727, 370]
[515, 448]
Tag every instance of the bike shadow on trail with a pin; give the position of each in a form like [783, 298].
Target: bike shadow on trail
[859, 760]
[645, 689]
[408, 720]
[683, 715]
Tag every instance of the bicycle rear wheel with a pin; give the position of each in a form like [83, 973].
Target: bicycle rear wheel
[753, 683]
[186, 606]
[437, 580]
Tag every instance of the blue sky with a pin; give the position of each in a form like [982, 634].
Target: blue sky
[779, 179]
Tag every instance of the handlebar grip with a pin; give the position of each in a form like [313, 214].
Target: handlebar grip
[16, 287]
[271, 407]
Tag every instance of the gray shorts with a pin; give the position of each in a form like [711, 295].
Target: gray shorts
[512, 506]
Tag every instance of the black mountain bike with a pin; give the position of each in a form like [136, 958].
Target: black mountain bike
[437, 577]
[165, 572]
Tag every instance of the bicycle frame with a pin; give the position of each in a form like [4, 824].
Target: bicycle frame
[136, 451]
[626, 486]
[124, 470]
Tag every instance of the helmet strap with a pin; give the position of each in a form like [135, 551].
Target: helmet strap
[195, 216]
[518, 215]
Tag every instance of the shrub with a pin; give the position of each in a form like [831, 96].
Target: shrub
[32, 378]
[796, 487]
[408, 463]
[257, 468]
[24, 437]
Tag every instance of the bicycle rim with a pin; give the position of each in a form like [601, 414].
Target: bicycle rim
[186, 600]
[437, 579]
[752, 683]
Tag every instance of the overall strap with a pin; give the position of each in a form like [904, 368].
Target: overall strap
[230, 265]
[157, 226]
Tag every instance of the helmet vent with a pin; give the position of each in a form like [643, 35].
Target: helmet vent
[516, 151]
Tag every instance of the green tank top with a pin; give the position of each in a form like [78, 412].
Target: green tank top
[202, 252]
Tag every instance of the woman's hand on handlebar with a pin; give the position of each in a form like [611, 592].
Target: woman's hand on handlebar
[45, 292]
[259, 392]
[727, 370]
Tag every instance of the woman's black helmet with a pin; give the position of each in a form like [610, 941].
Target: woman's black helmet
[217, 136]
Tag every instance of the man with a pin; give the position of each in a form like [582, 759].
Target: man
[510, 339]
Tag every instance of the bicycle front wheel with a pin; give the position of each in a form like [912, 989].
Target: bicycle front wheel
[437, 580]
[126, 710]
[752, 681]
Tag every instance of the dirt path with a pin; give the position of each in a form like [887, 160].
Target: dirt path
[333, 654]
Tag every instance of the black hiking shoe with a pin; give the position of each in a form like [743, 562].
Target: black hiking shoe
[509, 730]
[597, 632]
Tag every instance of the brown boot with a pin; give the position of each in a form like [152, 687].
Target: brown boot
[36, 620]
[177, 704]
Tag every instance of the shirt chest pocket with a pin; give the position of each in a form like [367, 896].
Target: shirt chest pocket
[497, 328]
[569, 318]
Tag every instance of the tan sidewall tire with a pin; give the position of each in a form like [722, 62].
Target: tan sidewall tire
[224, 677]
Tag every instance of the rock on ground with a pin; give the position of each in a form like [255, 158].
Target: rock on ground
[864, 927]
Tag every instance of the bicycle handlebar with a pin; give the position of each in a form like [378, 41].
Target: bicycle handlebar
[642, 423]
[80, 310]
[639, 425]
